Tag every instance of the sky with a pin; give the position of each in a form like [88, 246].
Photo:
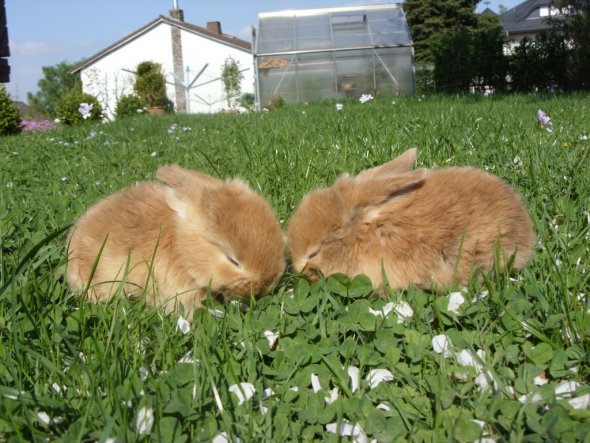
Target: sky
[47, 32]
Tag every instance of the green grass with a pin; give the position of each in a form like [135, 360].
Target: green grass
[90, 369]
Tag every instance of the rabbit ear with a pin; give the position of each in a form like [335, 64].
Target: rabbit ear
[381, 191]
[184, 185]
[398, 165]
[176, 177]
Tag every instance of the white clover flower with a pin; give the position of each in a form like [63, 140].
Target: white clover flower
[244, 391]
[315, 383]
[145, 421]
[456, 299]
[376, 376]
[354, 374]
[339, 106]
[441, 344]
[272, 338]
[345, 429]
[365, 98]
[183, 325]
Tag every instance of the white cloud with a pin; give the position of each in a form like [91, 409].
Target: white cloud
[32, 48]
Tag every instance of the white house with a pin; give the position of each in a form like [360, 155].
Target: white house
[192, 58]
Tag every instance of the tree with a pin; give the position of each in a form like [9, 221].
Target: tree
[430, 20]
[232, 79]
[56, 83]
[575, 27]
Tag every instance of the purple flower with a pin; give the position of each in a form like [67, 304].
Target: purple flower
[544, 121]
[85, 109]
[37, 126]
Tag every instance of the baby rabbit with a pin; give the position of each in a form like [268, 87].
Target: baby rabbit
[426, 228]
[177, 239]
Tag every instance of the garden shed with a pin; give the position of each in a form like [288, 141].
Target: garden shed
[316, 54]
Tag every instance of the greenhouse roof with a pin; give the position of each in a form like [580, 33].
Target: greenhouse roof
[343, 28]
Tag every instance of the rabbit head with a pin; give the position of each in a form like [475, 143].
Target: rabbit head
[329, 221]
[227, 234]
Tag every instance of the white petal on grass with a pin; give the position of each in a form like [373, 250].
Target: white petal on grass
[355, 376]
[485, 440]
[263, 409]
[223, 438]
[145, 421]
[384, 311]
[441, 344]
[383, 407]
[187, 358]
[581, 402]
[268, 392]
[345, 429]
[216, 313]
[376, 376]
[403, 310]
[143, 373]
[466, 358]
[44, 417]
[272, 337]
[334, 394]
[456, 299]
[244, 391]
[315, 383]
[183, 325]
[540, 380]
[566, 387]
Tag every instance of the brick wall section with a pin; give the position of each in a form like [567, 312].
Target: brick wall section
[178, 62]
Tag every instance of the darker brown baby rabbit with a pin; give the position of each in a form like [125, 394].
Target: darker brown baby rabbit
[175, 240]
[425, 228]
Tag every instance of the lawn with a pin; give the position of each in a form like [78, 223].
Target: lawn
[323, 362]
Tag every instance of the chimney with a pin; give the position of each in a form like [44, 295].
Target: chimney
[177, 14]
[214, 27]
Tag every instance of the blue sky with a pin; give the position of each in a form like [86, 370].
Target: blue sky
[46, 32]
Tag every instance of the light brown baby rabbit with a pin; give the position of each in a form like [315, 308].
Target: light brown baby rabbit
[176, 240]
[426, 228]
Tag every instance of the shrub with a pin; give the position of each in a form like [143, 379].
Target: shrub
[150, 84]
[129, 105]
[69, 108]
[10, 121]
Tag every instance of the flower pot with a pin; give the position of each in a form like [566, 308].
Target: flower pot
[156, 110]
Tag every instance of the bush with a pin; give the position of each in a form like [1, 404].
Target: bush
[70, 109]
[150, 84]
[10, 121]
[130, 105]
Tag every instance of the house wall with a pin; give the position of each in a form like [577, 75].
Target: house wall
[109, 78]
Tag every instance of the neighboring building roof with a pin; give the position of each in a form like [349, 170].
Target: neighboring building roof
[488, 11]
[204, 32]
[529, 17]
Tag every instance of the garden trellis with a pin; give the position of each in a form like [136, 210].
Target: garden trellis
[306, 55]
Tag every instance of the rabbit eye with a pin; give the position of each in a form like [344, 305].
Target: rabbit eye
[232, 260]
[313, 254]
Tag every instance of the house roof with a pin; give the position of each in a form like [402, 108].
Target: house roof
[204, 32]
[525, 18]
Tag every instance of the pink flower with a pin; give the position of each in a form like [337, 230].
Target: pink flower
[85, 109]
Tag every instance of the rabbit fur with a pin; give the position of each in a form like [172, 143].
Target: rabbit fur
[175, 240]
[425, 228]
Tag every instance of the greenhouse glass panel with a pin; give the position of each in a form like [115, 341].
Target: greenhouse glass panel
[316, 54]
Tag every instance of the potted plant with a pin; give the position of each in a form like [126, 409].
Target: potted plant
[150, 86]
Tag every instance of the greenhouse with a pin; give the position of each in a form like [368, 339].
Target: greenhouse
[317, 54]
